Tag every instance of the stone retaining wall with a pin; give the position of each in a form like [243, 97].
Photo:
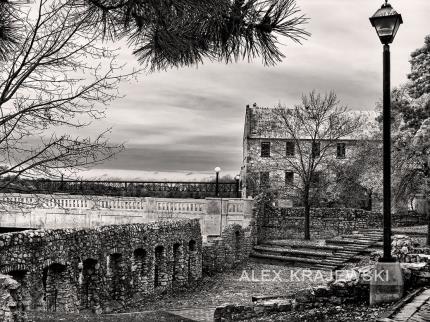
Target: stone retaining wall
[286, 223]
[227, 251]
[100, 269]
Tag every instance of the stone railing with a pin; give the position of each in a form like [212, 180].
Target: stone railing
[74, 211]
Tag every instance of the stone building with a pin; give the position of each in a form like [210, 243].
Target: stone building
[266, 147]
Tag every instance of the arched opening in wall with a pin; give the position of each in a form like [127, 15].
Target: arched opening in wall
[178, 264]
[89, 280]
[22, 295]
[159, 267]
[237, 245]
[116, 275]
[141, 271]
[192, 255]
[57, 288]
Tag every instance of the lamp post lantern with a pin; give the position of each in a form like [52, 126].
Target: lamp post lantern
[217, 171]
[386, 22]
[237, 178]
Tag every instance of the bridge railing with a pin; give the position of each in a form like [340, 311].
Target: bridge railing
[197, 190]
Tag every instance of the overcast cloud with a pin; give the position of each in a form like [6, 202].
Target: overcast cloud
[187, 121]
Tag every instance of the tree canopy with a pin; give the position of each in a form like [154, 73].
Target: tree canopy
[410, 119]
[183, 32]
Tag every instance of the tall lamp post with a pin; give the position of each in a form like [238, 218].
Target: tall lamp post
[386, 22]
[217, 171]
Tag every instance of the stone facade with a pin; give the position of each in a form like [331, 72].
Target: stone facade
[287, 223]
[101, 269]
[264, 127]
[227, 251]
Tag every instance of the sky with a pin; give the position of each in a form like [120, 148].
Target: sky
[182, 123]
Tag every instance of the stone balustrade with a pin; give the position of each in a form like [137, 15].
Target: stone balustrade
[74, 211]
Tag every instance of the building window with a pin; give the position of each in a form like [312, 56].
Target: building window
[290, 148]
[265, 149]
[341, 150]
[316, 149]
[289, 178]
[264, 179]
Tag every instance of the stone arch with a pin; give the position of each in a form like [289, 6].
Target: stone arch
[22, 295]
[192, 259]
[58, 289]
[160, 267]
[89, 281]
[178, 276]
[140, 270]
[116, 276]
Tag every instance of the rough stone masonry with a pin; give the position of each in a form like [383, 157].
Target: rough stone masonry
[100, 269]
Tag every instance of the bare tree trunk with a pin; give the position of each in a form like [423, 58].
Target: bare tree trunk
[307, 213]
[369, 201]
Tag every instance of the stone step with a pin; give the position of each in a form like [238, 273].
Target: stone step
[360, 241]
[300, 261]
[348, 242]
[332, 262]
[361, 236]
[292, 259]
[290, 251]
[346, 252]
[304, 246]
[341, 259]
[325, 267]
[378, 235]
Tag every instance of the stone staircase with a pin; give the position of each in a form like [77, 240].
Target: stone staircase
[334, 254]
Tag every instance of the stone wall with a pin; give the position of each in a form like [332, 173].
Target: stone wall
[286, 223]
[9, 310]
[227, 251]
[100, 269]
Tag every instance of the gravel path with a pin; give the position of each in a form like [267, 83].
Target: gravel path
[237, 286]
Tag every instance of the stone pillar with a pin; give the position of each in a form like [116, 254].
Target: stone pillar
[179, 278]
[214, 209]
[192, 261]
[387, 283]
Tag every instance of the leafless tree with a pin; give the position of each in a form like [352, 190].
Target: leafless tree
[51, 86]
[314, 127]
[56, 73]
